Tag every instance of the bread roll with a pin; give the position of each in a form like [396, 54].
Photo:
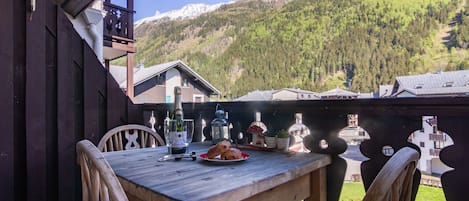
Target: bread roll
[218, 149]
[231, 154]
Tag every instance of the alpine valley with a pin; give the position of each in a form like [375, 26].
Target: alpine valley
[315, 45]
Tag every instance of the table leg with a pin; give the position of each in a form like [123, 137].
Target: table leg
[318, 185]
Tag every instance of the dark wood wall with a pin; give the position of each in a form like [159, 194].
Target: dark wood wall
[54, 92]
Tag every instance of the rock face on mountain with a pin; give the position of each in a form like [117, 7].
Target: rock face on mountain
[310, 44]
[190, 11]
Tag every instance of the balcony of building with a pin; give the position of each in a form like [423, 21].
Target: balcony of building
[118, 29]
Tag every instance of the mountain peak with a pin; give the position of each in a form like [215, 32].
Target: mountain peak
[189, 11]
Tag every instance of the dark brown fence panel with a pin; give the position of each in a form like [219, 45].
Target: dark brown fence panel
[95, 93]
[53, 93]
[70, 106]
[36, 118]
[116, 103]
[8, 61]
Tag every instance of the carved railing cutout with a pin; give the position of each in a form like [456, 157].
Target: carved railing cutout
[431, 141]
[117, 22]
[353, 135]
[387, 135]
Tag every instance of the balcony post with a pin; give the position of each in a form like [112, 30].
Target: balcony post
[130, 19]
[130, 75]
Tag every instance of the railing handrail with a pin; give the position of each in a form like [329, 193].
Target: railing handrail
[118, 22]
[118, 7]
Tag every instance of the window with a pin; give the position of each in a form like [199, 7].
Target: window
[448, 84]
[418, 86]
[184, 82]
[438, 144]
[422, 144]
[198, 98]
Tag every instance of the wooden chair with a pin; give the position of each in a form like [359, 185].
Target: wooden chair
[136, 136]
[99, 182]
[394, 180]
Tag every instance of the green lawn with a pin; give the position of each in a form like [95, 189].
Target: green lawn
[354, 191]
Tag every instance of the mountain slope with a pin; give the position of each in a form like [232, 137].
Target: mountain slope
[189, 11]
[309, 44]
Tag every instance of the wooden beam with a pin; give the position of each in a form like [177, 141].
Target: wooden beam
[123, 39]
[130, 75]
[74, 7]
[129, 47]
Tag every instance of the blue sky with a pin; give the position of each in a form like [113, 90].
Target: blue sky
[147, 8]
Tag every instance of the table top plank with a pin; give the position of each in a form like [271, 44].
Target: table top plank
[203, 180]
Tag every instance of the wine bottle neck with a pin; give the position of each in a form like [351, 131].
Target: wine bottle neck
[178, 112]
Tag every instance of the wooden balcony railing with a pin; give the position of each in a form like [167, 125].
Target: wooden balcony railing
[389, 122]
[118, 23]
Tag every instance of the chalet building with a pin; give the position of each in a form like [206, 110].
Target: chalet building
[155, 84]
[440, 84]
[430, 141]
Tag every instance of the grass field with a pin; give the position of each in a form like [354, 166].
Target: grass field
[354, 191]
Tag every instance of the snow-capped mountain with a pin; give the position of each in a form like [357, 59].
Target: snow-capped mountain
[189, 11]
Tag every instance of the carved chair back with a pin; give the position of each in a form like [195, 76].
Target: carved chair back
[130, 136]
[394, 180]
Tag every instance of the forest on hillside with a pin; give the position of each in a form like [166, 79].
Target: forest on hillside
[310, 44]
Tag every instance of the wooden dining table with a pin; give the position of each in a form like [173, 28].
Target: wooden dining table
[265, 175]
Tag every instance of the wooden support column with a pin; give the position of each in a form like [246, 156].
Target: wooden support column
[130, 75]
[318, 185]
[107, 64]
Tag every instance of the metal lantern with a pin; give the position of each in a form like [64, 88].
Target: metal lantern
[219, 127]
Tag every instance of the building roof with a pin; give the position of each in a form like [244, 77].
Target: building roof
[385, 90]
[337, 92]
[441, 83]
[366, 95]
[257, 95]
[267, 95]
[296, 91]
[142, 74]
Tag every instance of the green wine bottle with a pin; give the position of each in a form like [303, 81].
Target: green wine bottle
[179, 144]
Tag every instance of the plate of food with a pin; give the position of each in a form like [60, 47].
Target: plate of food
[223, 152]
[204, 157]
